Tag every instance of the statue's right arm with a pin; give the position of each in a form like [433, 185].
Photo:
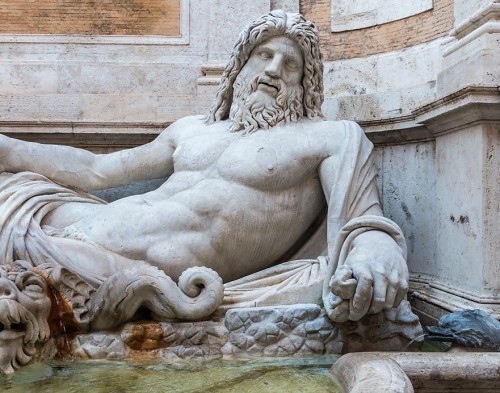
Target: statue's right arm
[84, 170]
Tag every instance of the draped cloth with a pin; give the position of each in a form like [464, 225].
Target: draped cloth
[25, 199]
[348, 179]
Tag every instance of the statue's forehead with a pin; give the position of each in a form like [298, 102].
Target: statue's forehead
[283, 44]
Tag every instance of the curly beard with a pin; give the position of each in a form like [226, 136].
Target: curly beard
[252, 110]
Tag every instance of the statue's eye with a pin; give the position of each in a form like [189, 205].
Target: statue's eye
[292, 64]
[266, 55]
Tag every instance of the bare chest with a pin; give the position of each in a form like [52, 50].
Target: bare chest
[265, 160]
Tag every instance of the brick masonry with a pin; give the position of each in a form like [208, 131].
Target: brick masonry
[103, 17]
[391, 36]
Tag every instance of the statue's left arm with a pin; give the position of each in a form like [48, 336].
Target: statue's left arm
[367, 251]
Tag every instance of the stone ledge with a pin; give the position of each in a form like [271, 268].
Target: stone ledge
[465, 107]
[118, 135]
[481, 17]
[470, 105]
[297, 330]
[396, 131]
[431, 301]
[428, 372]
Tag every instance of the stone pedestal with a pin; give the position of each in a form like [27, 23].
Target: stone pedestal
[276, 331]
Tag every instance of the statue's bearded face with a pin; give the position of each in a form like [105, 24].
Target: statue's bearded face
[268, 90]
[24, 311]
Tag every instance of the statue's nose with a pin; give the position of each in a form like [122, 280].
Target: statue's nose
[274, 66]
[6, 290]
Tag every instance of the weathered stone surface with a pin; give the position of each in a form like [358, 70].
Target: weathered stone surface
[99, 346]
[295, 330]
[150, 336]
[25, 308]
[279, 331]
[367, 373]
[427, 372]
[348, 15]
[146, 336]
[391, 330]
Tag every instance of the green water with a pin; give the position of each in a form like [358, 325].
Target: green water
[268, 375]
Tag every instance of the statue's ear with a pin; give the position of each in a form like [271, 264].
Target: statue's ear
[73, 290]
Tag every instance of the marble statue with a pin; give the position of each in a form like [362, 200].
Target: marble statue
[262, 181]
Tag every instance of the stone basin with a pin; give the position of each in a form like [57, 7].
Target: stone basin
[263, 375]
[421, 372]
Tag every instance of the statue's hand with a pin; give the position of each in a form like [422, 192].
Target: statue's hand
[373, 278]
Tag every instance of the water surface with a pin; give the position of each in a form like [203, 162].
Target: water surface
[264, 375]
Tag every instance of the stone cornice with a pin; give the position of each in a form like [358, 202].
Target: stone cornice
[465, 107]
[57, 126]
[395, 131]
[91, 135]
[490, 27]
[481, 17]
[484, 21]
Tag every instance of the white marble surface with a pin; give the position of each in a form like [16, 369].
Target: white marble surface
[464, 9]
[351, 15]
[382, 86]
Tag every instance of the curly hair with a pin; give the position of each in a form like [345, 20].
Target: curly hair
[275, 23]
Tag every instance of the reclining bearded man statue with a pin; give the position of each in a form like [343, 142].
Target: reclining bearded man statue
[263, 179]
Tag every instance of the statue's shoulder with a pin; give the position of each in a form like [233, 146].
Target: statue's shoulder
[334, 136]
[186, 123]
[185, 126]
[338, 128]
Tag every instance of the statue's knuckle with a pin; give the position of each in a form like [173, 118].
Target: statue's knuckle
[378, 300]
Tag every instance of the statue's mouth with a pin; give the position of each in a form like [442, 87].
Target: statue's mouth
[11, 331]
[269, 86]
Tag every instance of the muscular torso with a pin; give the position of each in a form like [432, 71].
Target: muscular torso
[234, 203]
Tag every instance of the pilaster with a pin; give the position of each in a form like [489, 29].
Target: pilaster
[466, 124]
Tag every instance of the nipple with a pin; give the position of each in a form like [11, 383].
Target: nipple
[267, 159]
